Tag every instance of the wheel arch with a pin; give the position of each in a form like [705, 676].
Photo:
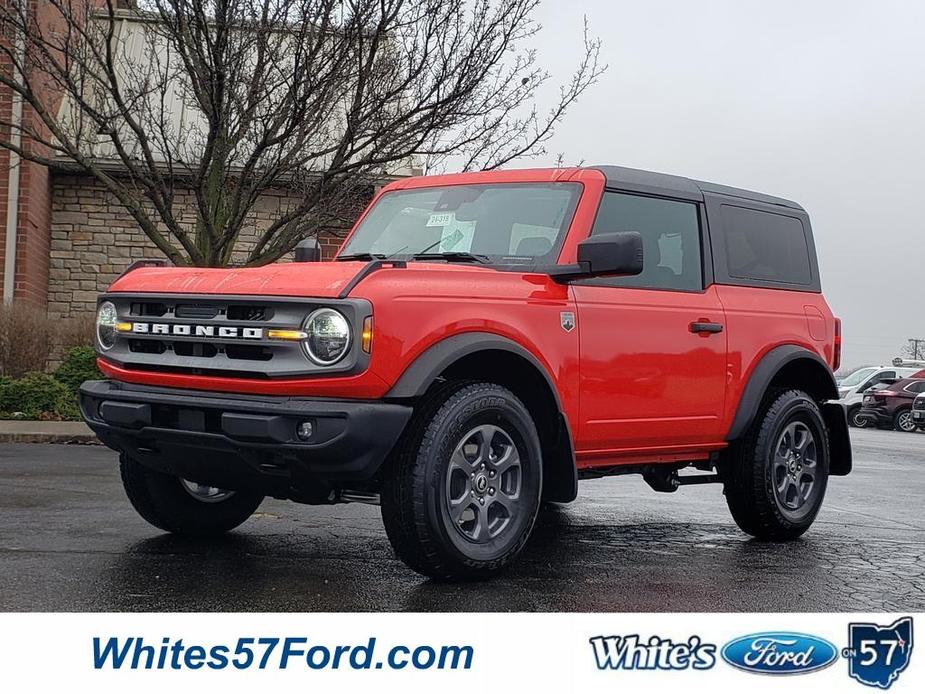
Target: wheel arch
[490, 357]
[795, 366]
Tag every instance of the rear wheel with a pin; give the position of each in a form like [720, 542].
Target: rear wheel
[902, 421]
[183, 507]
[775, 478]
[464, 491]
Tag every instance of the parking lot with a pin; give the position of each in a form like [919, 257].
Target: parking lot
[70, 541]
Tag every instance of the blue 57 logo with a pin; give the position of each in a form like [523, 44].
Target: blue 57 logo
[877, 654]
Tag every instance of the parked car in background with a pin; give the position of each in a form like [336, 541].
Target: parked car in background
[892, 406]
[918, 412]
[852, 388]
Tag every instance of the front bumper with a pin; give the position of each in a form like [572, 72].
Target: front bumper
[247, 442]
[918, 416]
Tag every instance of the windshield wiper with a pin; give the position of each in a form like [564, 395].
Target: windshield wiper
[362, 256]
[462, 256]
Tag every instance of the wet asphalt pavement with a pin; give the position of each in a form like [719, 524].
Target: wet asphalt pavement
[69, 541]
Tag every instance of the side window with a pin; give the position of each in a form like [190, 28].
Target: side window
[765, 246]
[879, 377]
[918, 387]
[670, 237]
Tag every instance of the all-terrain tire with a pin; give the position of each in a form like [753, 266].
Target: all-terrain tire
[417, 494]
[162, 501]
[751, 466]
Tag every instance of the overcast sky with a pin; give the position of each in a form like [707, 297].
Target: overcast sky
[822, 102]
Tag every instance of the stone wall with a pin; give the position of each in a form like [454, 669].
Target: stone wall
[93, 239]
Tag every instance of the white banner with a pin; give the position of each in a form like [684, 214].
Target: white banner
[463, 652]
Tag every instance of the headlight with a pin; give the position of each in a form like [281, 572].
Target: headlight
[328, 336]
[106, 319]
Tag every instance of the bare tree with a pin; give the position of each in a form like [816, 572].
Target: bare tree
[325, 97]
[915, 350]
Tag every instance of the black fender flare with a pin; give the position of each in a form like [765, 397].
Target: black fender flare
[436, 359]
[833, 413]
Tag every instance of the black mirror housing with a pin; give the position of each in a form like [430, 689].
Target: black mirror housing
[308, 251]
[618, 253]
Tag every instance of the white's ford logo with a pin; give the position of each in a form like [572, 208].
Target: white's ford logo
[779, 653]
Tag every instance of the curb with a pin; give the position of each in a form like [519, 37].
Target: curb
[14, 431]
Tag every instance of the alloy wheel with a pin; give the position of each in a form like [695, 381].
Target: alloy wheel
[904, 422]
[794, 466]
[483, 483]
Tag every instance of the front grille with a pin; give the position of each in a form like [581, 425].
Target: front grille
[152, 309]
[918, 403]
[196, 311]
[249, 312]
[224, 336]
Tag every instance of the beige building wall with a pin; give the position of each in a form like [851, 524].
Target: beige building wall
[93, 239]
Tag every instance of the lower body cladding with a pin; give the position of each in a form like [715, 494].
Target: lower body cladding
[302, 449]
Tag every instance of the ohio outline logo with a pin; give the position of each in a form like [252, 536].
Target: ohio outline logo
[877, 654]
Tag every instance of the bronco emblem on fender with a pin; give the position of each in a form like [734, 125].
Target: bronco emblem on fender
[567, 319]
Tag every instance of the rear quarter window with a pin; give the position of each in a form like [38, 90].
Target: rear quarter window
[765, 246]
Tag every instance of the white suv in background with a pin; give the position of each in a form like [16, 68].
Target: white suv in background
[851, 389]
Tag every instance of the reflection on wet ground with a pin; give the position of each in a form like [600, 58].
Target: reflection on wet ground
[70, 541]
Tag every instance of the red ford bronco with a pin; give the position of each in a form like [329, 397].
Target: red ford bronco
[479, 344]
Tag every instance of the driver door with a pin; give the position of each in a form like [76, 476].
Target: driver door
[653, 346]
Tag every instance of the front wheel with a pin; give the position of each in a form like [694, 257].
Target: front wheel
[183, 507]
[464, 491]
[775, 478]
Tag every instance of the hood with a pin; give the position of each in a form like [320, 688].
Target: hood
[323, 280]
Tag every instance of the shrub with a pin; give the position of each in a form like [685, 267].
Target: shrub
[79, 365]
[76, 331]
[26, 339]
[37, 396]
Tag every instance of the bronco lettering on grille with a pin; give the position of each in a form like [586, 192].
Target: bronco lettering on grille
[220, 331]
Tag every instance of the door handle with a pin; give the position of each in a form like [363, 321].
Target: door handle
[706, 327]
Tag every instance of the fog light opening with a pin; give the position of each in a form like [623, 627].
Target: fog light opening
[305, 430]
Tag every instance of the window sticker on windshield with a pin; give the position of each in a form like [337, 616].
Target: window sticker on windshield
[457, 237]
[441, 219]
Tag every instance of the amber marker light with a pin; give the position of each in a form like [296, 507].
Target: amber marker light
[124, 327]
[366, 341]
[287, 334]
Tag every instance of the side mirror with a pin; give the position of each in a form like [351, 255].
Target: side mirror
[308, 251]
[604, 255]
[619, 253]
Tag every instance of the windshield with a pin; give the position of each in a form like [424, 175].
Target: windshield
[506, 223]
[856, 377]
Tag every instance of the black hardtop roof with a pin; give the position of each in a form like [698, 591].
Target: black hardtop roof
[623, 178]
